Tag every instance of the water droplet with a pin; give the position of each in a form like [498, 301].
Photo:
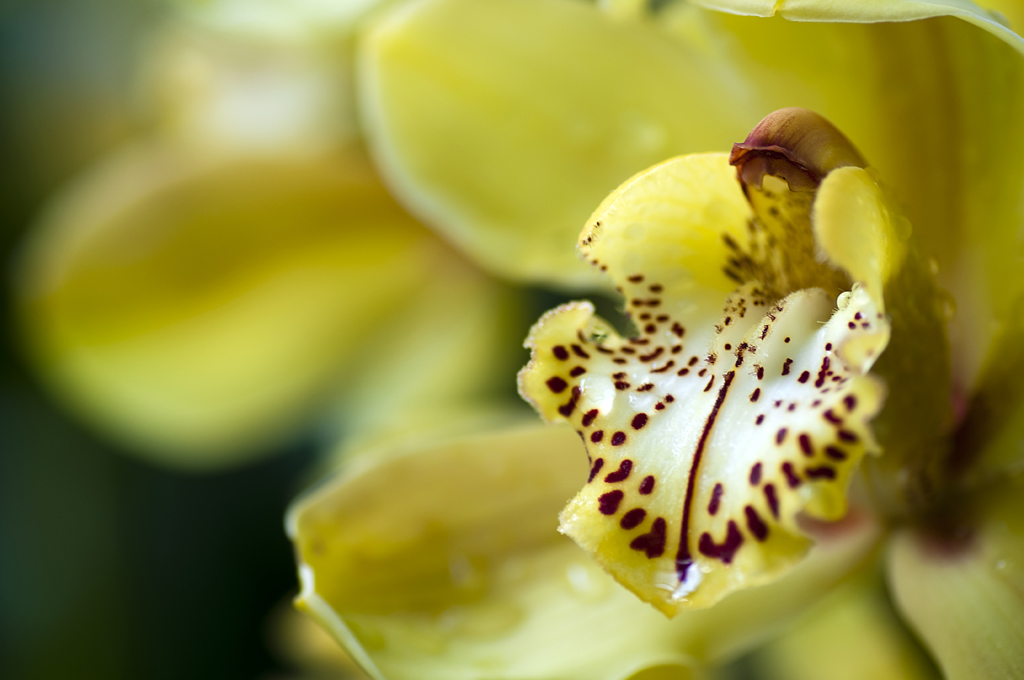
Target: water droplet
[1000, 565]
[933, 266]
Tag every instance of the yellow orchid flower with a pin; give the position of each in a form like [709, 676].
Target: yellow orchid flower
[788, 382]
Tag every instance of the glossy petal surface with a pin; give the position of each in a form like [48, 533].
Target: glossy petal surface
[444, 563]
[961, 587]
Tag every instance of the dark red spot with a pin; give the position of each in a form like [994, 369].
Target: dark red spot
[707, 388]
[659, 406]
[598, 464]
[756, 394]
[835, 453]
[669, 398]
[702, 372]
[716, 499]
[589, 416]
[604, 350]
[596, 436]
[647, 387]
[723, 551]
[824, 372]
[677, 329]
[682, 371]
[556, 384]
[560, 352]
[692, 361]
[759, 419]
[652, 543]
[760, 372]
[805, 444]
[568, 407]
[639, 420]
[650, 328]
[851, 325]
[791, 478]
[661, 317]
[804, 377]
[647, 486]
[828, 346]
[780, 436]
[847, 436]
[756, 525]
[621, 385]
[653, 355]
[622, 473]
[773, 500]
[633, 518]
[577, 372]
[850, 401]
[785, 366]
[823, 472]
[578, 351]
[832, 417]
[677, 349]
[755, 474]
[786, 340]
[635, 278]
[608, 503]
[728, 347]
[627, 350]
[618, 439]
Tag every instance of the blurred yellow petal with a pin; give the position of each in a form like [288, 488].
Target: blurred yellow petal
[502, 123]
[200, 311]
[444, 563]
[294, 21]
[852, 635]
[227, 93]
[960, 583]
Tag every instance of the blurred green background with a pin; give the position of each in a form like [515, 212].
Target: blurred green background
[111, 567]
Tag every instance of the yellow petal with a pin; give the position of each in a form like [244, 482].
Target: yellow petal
[731, 412]
[222, 93]
[853, 634]
[506, 144]
[443, 562]
[960, 584]
[200, 310]
[870, 11]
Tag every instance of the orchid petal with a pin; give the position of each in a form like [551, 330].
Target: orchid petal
[202, 310]
[505, 145]
[870, 11]
[443, 562]
[960, 584]
[854, 633]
